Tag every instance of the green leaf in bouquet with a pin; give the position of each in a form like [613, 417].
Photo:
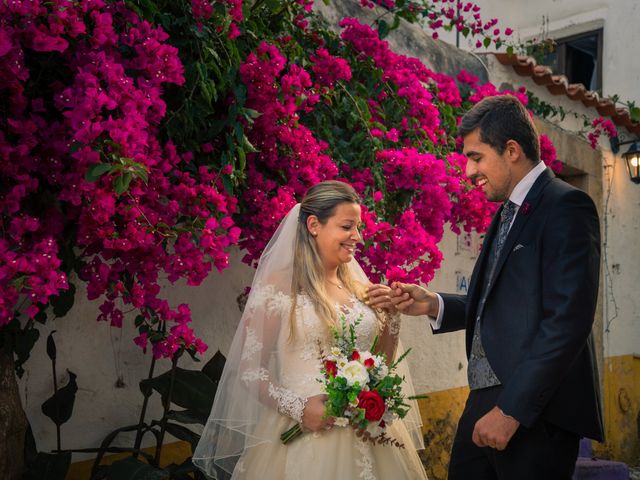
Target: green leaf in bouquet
[375, 342]
[395, 364]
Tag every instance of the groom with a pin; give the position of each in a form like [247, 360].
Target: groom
[528, 312]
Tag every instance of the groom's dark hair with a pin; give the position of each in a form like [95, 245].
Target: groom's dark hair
[500, 119]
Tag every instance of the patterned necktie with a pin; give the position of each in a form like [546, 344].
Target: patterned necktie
[506, 216]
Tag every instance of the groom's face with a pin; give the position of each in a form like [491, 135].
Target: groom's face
[487, 168]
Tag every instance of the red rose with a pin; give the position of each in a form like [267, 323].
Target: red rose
[373, 405]
[331, 367]
[369, 362]
[355, 355]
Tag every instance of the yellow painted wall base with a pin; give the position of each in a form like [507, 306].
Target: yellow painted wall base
[440, 413]
[621, 410]
[176, 452]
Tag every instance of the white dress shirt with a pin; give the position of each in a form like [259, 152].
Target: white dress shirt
[518, 195]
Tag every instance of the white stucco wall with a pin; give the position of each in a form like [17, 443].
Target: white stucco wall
[100, 356]
[622, 307]
[617, 18]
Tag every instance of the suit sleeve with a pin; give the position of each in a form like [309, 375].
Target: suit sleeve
[454, 317]
[569, 269]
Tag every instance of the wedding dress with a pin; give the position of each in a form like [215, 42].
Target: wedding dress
[336, 453]
[273, 366]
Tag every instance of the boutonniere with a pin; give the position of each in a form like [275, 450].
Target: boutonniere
[524, 209]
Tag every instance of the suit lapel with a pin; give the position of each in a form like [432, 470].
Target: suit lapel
[531, 202]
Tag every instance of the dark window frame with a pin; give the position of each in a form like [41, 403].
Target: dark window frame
[561, 54]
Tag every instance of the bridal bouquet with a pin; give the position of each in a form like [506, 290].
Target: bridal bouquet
[363, 392]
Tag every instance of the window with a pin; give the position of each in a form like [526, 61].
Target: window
[579, 58]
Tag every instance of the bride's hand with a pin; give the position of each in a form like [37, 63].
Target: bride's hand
[379, 296]
[313, 418]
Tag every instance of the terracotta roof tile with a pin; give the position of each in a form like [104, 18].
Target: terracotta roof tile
[559, 85]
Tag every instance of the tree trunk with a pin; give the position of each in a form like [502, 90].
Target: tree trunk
[13, 421]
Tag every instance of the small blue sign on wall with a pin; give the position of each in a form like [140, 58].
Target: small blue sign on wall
[462, 282]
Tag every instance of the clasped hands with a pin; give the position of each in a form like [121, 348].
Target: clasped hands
[404, 298]
[495, 429]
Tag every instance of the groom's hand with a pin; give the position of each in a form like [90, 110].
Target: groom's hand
[494, 430]
[413, 299]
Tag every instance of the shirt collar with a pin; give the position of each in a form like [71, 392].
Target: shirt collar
[522, 188]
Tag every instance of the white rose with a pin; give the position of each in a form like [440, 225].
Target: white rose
[354, 372]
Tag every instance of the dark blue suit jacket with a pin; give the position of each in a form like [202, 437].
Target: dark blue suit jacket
[536, 326]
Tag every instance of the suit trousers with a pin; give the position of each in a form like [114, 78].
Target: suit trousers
[542, 452]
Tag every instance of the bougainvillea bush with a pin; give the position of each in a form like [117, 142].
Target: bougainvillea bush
[139, 140]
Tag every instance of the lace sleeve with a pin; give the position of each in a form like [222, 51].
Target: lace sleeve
[392, 323]
[289, 403]
[389, 335]
[258, 369]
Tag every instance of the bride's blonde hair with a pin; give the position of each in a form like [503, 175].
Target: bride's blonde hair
[320, 200]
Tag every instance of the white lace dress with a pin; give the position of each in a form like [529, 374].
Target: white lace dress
[336, 454]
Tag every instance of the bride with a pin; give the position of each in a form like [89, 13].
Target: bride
[307, 281]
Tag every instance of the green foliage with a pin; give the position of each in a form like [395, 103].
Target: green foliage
[131, 468]
[48, 466]
[20, 341]
[62, 303]
[544, 109]
[536, 48]
[210, 107]
[59, 406]
[192, 390]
